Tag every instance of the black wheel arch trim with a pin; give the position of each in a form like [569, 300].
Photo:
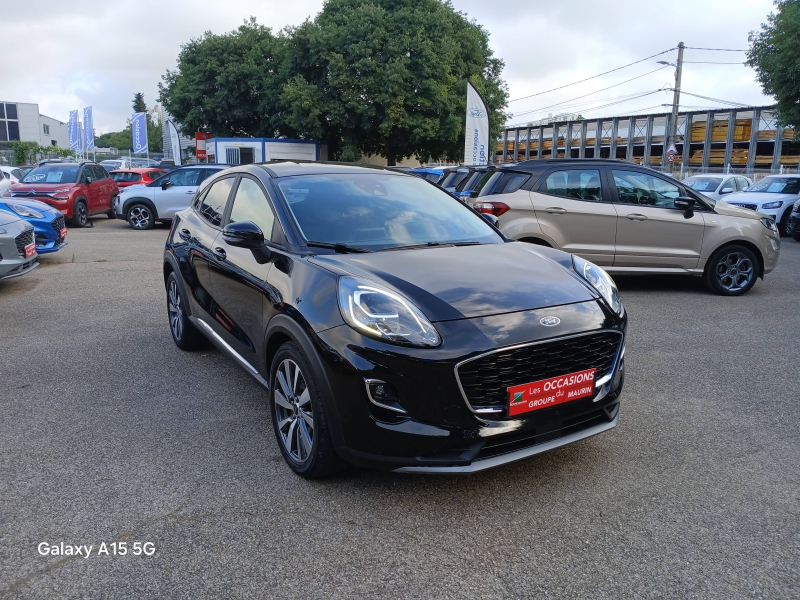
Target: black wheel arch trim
[282, 325]
[171, 266]
[146, 201]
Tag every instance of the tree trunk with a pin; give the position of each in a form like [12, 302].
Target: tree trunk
[391, 156]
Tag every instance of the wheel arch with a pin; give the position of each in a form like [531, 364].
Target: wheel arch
[538, 241]
[747, 244]
[139, 200]
[77, 199]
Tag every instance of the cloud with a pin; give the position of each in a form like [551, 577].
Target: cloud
[82, 53]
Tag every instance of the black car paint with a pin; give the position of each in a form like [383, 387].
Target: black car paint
[254, 308]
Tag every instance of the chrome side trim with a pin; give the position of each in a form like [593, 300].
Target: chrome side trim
[524, 345]
[396, 409]
[225, 348]
[496, 461]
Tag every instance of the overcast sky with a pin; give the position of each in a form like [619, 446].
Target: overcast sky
[67, 55]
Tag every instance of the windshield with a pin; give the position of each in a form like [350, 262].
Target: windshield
[126, 177]
[703, 184]
[776, 185]
[469, 182]
[379, 211]
[451, 180]
[58, 173]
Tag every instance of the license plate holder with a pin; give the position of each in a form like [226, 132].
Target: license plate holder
[30, 250]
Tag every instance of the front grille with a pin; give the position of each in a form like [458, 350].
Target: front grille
[32, 194]
[22, 240]
[485, 380]
[59, 223]
[750, 206]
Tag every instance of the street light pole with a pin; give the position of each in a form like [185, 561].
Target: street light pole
[676, 99]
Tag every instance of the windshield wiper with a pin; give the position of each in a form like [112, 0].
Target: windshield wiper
[430, 245]
[338, 248]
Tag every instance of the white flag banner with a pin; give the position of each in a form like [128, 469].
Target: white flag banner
[175, 141]
[476, 140]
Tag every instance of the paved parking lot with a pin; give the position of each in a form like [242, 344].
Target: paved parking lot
[109, 433]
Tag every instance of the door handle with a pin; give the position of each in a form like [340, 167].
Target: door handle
[555, 210]
[220, 253]
[636, 217]
[185, 234]
[191, 191]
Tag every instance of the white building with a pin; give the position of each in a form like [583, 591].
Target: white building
[244, 151]
[22, 121]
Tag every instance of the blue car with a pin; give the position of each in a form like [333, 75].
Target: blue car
[49, 229]
[432, 174]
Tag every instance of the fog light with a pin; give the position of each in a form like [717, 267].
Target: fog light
[383, 394]
[774, 243]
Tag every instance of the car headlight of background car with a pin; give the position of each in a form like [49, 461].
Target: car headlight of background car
[24, 211]
[776, 204]
[599, 280]
[769, 224]
[384, 315]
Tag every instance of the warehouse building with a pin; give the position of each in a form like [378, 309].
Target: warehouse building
[745, 140]
[22, 121]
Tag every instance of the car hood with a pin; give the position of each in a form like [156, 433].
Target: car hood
[449, 283]
[30, 203]
[735, 211]
[759, 197]
[7, 217]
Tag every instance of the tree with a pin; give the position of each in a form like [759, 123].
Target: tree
[138, 103]
[228, 84]
[775, 55]
[389, 77]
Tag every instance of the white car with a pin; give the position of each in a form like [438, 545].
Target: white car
[774, 196]
[717, 187]
[117, 163]
[142, 205]
[13, 174]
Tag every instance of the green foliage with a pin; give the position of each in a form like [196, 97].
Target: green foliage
[138, 103]
[368, 76]
[775, 56]
[31, 152]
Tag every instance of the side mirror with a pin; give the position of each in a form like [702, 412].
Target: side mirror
[744, 189]
[491, 219]
[686, 204]
[726, 190]
[473, 193]
[89, 180]
[166, 184]
[246, 234]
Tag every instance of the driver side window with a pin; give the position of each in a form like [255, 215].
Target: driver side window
[634, 187]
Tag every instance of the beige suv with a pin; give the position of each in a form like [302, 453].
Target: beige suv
[630, 220]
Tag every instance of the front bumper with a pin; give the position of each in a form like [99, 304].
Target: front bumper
[441, 432]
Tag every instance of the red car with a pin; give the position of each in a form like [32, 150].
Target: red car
[128, 177]
[78, 190]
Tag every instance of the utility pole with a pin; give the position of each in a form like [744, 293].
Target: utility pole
[676, 100]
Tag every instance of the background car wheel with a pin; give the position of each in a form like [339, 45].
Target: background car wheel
[80, 214]
[110, 213]
[298, 416]
[731, 271]
[184, 334]
[140, 217]
[784, 227]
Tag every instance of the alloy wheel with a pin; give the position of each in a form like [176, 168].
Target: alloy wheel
[139, 217]
[81, 210]
[175, 310]
[734, 271]
[294, 411]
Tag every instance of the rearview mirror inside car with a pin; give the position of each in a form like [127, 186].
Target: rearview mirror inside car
[686, 204]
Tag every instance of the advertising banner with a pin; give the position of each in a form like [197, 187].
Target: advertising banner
[139, 132]
[476, 140]
[74, 131]
[175, 141]
[88, 128]
[200, 138]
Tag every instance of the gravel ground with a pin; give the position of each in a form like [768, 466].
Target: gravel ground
[109, 433]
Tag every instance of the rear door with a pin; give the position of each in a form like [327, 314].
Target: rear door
[106, 185]
[177, 195]
[238, 279]
[573, 212]
[651, 232]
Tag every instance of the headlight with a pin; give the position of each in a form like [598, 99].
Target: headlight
[769, 224]
[24, 211]
[599, 280]
[776, 204]
[385, 315]
[61, 190]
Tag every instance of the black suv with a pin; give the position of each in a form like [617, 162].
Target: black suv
[392, 326]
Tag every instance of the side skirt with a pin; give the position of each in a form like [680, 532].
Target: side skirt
[226, 349]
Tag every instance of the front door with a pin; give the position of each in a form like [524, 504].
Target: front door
[572, 211]
[239, 278]
[182, 187]
[93, 189]
[651, 232]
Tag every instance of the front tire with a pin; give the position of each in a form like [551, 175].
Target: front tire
[298, 416]
[184, 334]
[785, 228]
[110, 213]
[80, 214]
[731, 271]
[140, 217]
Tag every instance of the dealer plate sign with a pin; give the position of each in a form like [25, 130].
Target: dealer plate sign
[550, 392]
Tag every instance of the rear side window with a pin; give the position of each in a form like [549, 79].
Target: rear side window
[509, 182]
[213, 204]
[578, 184]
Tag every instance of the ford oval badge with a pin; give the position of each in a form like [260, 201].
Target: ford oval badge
[549, 321]
[476, 113]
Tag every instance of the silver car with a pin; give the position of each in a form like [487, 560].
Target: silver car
[17, 246]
